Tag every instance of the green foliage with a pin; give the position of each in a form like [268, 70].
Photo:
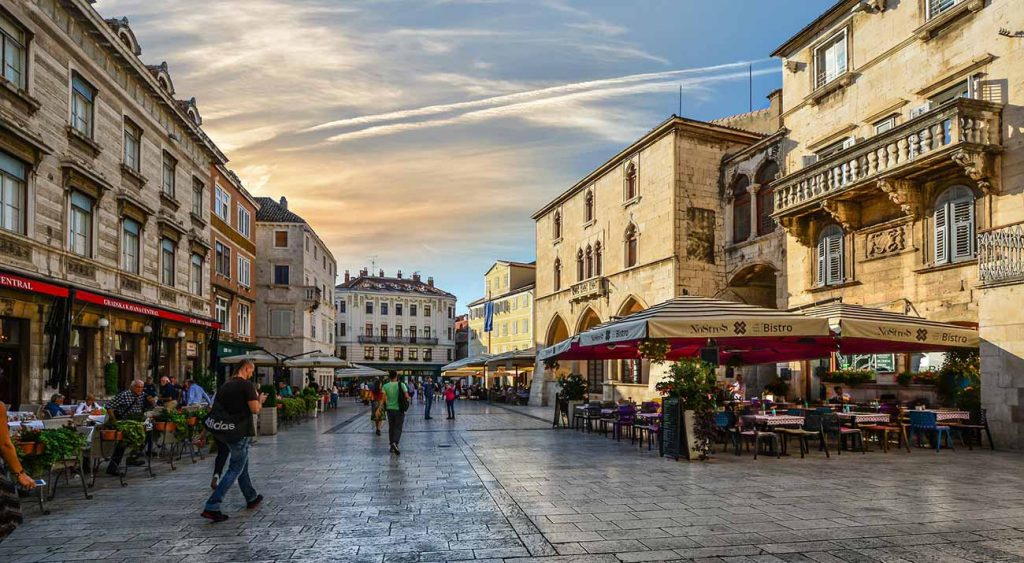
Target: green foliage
[29, 435]
[310, 401]
[271, 393]
[654, 349]
[574, 387]
[61, 443]
[905, 378]
[851, 377]
[206, 379]
[308, 392]
[961, 371]
[134, 433]
[777, 387]
[111, 374]
[293, 408]
[692, 382]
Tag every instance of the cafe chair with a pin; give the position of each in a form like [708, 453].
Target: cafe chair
[810, 429]
[832, 428]
[883, 430]
[725, 427]
[754, 436]
[626, 419]
[926, 422]
[973, 428]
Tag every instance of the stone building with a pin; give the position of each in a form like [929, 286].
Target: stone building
[509, 287]
[104, 234]
[233, 247]
[462, 336]
[902, 148]
[644, 227]
[294, 288]
[395, 324]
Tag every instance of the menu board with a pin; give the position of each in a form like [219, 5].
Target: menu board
[671, 428]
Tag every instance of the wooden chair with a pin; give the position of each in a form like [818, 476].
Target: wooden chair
[884, 430]
[831, 427]
[810, 429]
[972, 429]
[755, 435]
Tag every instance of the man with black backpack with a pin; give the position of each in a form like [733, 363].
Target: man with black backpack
[231, 423]
[396, 404]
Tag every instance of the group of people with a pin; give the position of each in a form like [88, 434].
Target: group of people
[386, 404]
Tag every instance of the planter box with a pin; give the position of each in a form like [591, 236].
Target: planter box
[268, 421]
[677, 431]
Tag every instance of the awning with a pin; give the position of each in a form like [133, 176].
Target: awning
[228, 348]
[318, 360]
[514, 358]
[559, 349]
[257, 357]
[470, 362]
[359, 371]
[866, 330]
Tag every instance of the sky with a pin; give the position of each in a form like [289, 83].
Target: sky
[421, 135]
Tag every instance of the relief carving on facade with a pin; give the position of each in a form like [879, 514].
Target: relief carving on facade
[904, 194]
[131, 284]
[846, 213]
[168, 295]
[81, 269]
[15, 248]
[977, 166]
[886, 242]
[700, 240]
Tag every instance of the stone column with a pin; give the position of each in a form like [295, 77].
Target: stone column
[752, 189]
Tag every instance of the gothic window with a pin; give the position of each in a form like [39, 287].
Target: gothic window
[740, 209]
[631, 188]
[588, 207]
[556, 231]
[589, 262]
[765, 197]
[557, 275]
[830, 256]
[631, 246]
[579, 265]
[597, 259]
[954, 225]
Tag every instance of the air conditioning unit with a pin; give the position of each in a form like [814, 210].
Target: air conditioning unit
[920, 110]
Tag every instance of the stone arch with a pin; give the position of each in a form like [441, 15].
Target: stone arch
[753, 284]
[588, 320]
[557, 331]
[630, 305]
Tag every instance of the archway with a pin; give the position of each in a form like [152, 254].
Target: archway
[629, 306]
[592, 370]
[557, 331]
[587, 321]
[754, 285]
[632, 372]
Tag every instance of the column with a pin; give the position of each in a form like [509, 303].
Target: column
[752, 189]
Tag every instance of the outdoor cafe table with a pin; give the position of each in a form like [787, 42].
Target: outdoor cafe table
[649, 415]
[774, 419]
[859, 417]
[941, 416]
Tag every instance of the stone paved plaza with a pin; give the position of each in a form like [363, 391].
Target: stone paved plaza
[498, 484]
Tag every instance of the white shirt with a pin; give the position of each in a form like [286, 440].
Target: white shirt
[86, 408]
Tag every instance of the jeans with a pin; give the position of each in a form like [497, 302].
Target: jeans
[238, 470]
[451, 408]
[222, 457]
[429, 402]
[395, 421]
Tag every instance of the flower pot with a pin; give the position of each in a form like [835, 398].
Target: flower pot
[28, 448]
[268, 421]
[171, 427]
[160, 426]
[192, 421]
[111, 435]
[40, 448]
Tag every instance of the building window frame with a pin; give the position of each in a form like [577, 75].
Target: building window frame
[631, 246]
[14, 39]
[81, 214]
[557, 275]
[280, 239]
[556, 226]
[831, 256]
[244, 327]
[244, 221]
[588, 207]
[222, 204]
[244, 271]
[131, 245]
[169, 172]
[222, 259]
[833, 52]
[222, 313]
[198, 193]
[132, 154]
[13, 193]
[168, 255]
[196, 273]
[935, 8]
[83, 105]
[281, 322]
[282, 274]
[954, 223]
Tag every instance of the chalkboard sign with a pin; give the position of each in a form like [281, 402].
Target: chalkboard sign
[671, 428]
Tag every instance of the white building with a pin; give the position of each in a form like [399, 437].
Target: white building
[400, 324]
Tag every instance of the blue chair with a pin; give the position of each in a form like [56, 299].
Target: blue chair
[795, 412]
[927, 422]
[725, 426]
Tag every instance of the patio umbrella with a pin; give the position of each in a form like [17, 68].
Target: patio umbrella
[866, 330]
[317, 360]
[358, 370]
[517, 358]
[257, 357]
[470, 362]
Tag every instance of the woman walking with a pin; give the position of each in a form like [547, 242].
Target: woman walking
[10, 503]
[449, 400]
[377, 405]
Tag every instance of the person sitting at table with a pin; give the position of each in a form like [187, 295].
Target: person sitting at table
[10, 517]
[838, 396]
[149, 389]
[737, 389]
[130, 402]
[88, 406]
[283, 389]
[52, 409]
[195, 394]
[168, 393]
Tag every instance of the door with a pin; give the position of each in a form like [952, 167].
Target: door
[124, 357]
[78, 365]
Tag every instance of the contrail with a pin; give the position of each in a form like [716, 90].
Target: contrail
[520, 96]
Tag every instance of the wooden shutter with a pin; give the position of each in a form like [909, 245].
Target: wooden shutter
[835, 258]
[941, 236]
[962, 240]
[821, 260]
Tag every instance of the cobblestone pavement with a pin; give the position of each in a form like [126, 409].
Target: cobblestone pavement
[498, 484]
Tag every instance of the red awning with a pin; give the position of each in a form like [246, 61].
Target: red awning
[33, 286]
[140, 309]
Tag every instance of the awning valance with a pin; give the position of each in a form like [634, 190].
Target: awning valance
[470, 362]
[866, 330]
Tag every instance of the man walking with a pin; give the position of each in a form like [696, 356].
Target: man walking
[428, 397]
[394, 392]
[449, 400]
[239, 399]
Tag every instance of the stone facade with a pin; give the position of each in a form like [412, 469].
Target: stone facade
[294, 287]
[395, 324]
[510, 286]
[96, 144]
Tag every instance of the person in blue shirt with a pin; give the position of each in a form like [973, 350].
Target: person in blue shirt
[428, 397]
[52, 408]
[195, 394]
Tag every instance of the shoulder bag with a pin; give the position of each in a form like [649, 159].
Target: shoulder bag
[226, 427]
[403, 398]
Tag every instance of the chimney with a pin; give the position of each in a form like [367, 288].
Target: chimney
[347, 277]
[399, 274]
[430, 281]
[415, 276]
[364, 273]
[284, 202]
[381, 273]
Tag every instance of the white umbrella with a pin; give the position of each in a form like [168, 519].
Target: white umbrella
[257, 357]
[318, 360]
[471, 362]
[359, 371]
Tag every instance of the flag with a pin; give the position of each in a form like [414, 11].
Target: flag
[488, 316]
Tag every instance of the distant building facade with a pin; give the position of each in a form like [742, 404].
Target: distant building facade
[509, 288]
[461, 337]
[395, 323]
[294, 287]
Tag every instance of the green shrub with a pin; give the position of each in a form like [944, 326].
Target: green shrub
[271, 393]
[851, 377]
[693, 382]
[134, 433]
[574, 387]
[111, 374]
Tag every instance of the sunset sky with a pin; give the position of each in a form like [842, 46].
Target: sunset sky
[422, 134]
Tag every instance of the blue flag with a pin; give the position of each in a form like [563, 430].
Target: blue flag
[488, 316]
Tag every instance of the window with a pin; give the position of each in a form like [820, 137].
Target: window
[281, 274]
[398, 309]
[80, 224]
[579, 265]
[413, 353]
[954, 225]
[597, 268]
[131, 234]
[243, 327]
[398, 330]
[427, 354]
[244, 271]
[399, 356]
[383, 308]
[556, 230]
[426, 332]
[834, 148]
[412, 310]
[557, 276]
[222, 205]
[589, 259]
[449, 354]
[196, 274]
[307, 244]
[223, 260]
[369, 307]
[588, 207]
[384, 332]
[167, 252]
[740, 209]
[885, 124]
[222, 310]
[830, 256]
[449, 333]
[367, 352]
[631, 371]
[630, 181]
[83, 96]
[280, 239]
[426, 310]
[595, 376]
[132, 144]
[170, 169]
[412, 332]
[280, 322]
[384, 353]
[368, 329]
[342, 329]
[451, 312]
[965, 89]
[312, 328]
[937, 7]
[766, 197]
[13, 176]
[341, 306]
[880, 363]
[13, 44]
[631, 246]
[198, 190]
[830, 59]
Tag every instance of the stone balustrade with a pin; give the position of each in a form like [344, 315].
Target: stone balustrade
[1001, 255]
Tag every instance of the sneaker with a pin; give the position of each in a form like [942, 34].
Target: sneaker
[378, 431]
[254, 502]
[214, 515]
[214, 481]
[394, 449]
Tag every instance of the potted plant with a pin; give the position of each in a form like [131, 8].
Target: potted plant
[133, 433]
[62, 444]
[28, 440]
[573, 391]
[688, 406]
[268, 414]
[778, 387]
[111, 374]
[111, 434]
[904, 378]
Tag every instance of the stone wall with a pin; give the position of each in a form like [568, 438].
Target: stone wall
[1002, 363]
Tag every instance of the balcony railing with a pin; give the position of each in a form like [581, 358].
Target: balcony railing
[1001, 255]
[897, 153]
[588, 289]
[378, 339]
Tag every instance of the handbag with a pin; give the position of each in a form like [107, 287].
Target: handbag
[226, 427]
[403, 398]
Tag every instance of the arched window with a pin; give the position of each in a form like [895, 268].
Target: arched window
[597, 259]
[830, 256]
[766, 197]
[590, 262]
[954, 225]
[631, 246]
[630, 181]
[556, 231]
[557, 285]
[579, 265]
[588, 207]
[740, 209]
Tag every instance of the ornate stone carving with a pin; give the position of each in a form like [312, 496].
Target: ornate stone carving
[846, 213]
[81, 269]
[15, 249]
[886, 242]
[798, 228]
[904, 194]
[976, 166]
[131, 284]
[168, 295]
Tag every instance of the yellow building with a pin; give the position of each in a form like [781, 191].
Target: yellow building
[509, 286]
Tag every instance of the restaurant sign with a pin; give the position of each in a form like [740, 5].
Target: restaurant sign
[33, 286]
[141, 309]
[588, 289]
[191, 349]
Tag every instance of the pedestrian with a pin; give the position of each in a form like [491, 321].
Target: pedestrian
[126, 404]
[397, 403]
[377, 405]
[449, 400]
[238, 400]
[195, 394]
[334, 396]
[428, 397]
[10, 501]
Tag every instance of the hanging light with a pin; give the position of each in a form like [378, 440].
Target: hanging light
[181, 334]
[103, 322]
[147, 329]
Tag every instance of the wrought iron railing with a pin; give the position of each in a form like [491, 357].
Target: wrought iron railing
[1001, 255]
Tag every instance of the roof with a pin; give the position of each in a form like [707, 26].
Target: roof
[398, 285]
[820, 23]
[516, 291]
[271, 211]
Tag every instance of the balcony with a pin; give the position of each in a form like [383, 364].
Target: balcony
[588, 289]
[962, 135]
[312, 298]
[1001, 255]
[379, 339]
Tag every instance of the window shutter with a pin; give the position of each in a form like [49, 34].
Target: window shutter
[941, 228]
[821, 260]
[835, 258]
[963, 229]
